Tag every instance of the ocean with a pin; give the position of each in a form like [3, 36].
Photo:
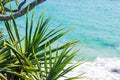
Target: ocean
[96, 24]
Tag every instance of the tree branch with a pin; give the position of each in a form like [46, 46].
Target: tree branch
[19, 7]
[22, 11]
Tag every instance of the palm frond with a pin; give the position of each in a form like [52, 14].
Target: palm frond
[34, 58]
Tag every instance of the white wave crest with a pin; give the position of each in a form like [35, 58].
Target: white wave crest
[100, 69]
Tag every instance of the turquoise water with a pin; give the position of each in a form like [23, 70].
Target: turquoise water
[96, 22]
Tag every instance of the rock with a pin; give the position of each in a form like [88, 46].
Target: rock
[116, 71]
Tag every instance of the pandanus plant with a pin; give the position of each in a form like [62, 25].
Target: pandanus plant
[1, 33]
[33, 57]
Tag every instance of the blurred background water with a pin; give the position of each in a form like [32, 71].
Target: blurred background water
[96, 22]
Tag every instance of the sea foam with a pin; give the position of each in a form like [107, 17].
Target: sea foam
[100, 69]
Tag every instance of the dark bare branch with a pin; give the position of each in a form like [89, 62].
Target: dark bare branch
[19, 7]
[21, 11]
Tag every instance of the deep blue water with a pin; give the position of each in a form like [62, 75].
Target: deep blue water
[96, 24]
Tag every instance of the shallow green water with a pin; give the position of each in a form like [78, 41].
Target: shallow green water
[96, 22]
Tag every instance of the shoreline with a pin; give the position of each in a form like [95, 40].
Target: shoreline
[99, 69]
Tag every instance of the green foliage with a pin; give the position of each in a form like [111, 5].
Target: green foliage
[36, 59]
[1, 35]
